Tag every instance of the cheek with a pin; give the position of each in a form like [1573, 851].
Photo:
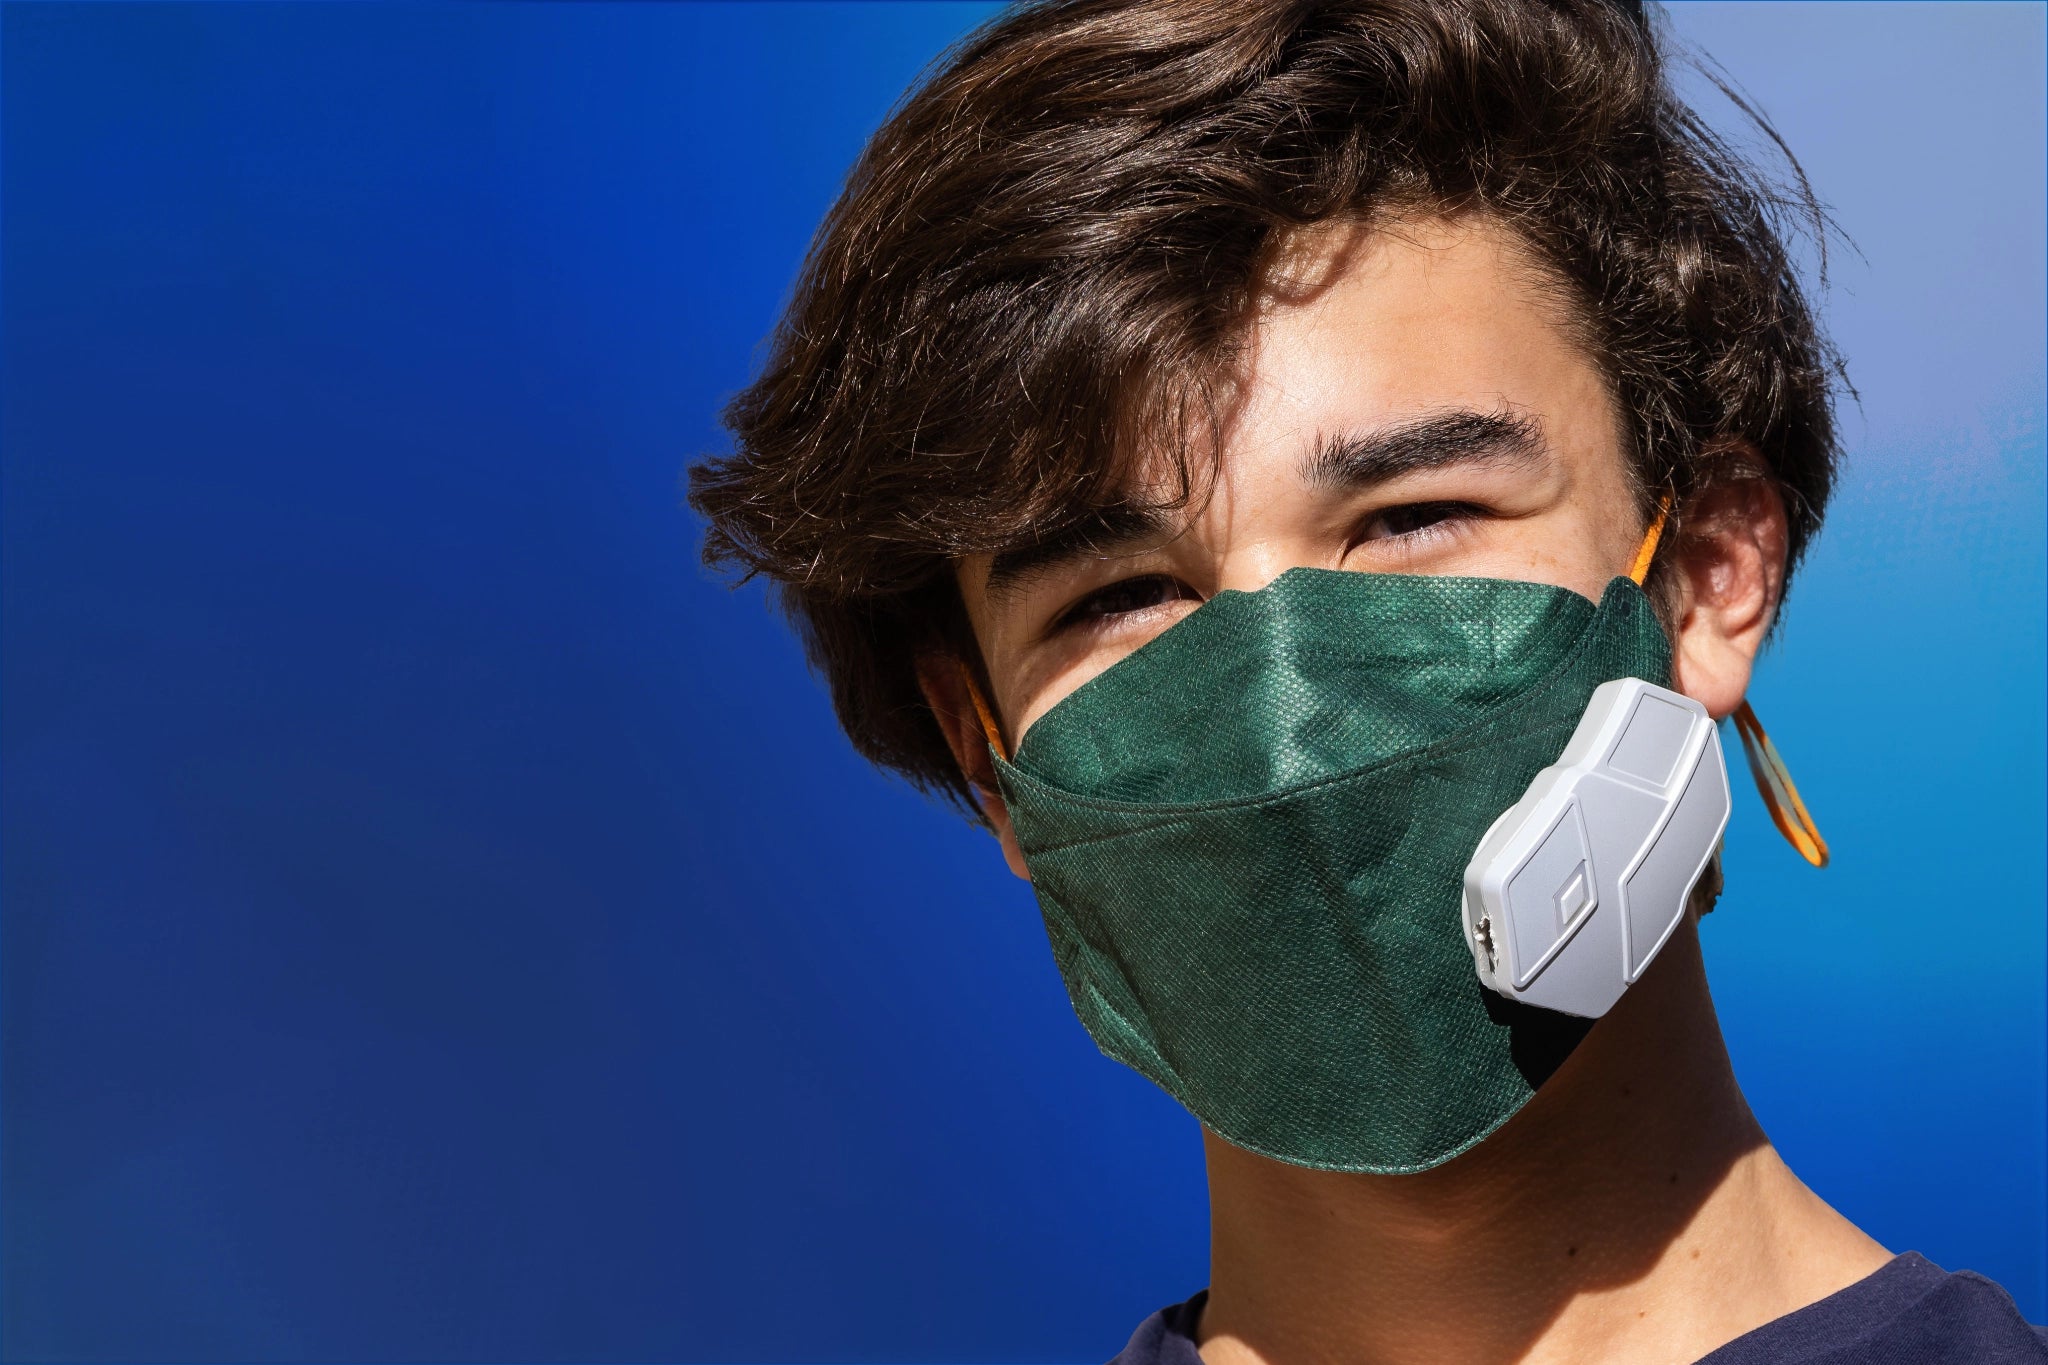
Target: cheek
[1035, 687]
[1600, 535]
[1030, 683]
[1047, 674]
[1566, 548]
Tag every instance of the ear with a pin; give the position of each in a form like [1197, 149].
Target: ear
[1729, 571]
[940, 678]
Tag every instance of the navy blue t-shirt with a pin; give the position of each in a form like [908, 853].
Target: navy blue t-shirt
[1907, 1312]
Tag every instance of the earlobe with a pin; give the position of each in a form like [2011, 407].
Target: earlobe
[1729, 557]
[940, 678]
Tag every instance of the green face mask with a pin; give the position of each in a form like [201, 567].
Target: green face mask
[1248, 839]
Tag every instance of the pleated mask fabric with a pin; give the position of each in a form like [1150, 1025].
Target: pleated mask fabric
[1248, 840]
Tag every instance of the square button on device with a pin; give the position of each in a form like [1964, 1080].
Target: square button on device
[1572, 896]
[1654, 740]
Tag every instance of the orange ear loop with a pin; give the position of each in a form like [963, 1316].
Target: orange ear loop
[1647, 551]
[1774, 784]
[1773, 779]
[988, 719]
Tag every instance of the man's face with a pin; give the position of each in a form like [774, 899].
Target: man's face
[1410, 401]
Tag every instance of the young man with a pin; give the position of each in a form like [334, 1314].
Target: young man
[1242, 452]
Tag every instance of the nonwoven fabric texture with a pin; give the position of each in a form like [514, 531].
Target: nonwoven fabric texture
[1248, 840]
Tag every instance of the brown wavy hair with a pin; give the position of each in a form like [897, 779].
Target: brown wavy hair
[1039, 262]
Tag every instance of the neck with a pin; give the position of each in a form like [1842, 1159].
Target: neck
[1633, 1209]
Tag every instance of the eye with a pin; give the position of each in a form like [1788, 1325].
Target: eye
[1124, 598]
[1410, 519]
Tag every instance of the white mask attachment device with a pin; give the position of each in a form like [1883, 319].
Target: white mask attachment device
[1577, 886]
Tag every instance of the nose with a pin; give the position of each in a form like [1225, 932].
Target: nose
[1249, 567]
[1258, 523]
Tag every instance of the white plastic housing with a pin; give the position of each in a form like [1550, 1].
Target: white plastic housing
[1577, 885]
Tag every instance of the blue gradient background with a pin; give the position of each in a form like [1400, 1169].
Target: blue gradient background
[442, 923]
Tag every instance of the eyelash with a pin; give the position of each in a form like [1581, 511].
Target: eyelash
[1439, 516]
[1091, 609]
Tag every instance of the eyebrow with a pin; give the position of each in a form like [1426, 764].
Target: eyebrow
[1445, 438]
[1098, 533]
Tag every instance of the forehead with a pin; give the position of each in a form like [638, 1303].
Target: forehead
[1356, 329]
[1365, 326]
